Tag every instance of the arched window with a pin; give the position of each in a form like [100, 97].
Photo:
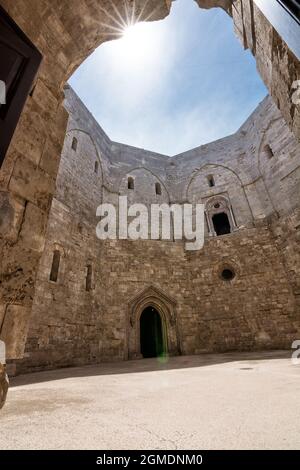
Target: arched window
[74, 144]
[55, 266]
[130, 183]
[89, 276]
[96, 168]
[219, 216]
[269, 152]
[211, 181]
[221, 224]
[158, 189]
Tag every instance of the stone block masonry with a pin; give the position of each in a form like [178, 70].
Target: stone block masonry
[66, 33]
[202, 311]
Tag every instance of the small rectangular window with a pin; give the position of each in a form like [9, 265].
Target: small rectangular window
[74, 144]
[55, 266]
[211, 181]
[130, 183]
[158, 189]
[88, 281]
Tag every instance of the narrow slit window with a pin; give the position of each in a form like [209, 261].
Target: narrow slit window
[96, 168]
[269, 151]
[88, 281]
[211, 181]
[74, 144]
[55, 266]
[130, 183]
[158, 189]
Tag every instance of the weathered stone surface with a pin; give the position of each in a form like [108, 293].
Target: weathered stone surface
[31, 183]
[259, 309]
[225, 4]
[11, 216]
[66, 33]
[14, 330]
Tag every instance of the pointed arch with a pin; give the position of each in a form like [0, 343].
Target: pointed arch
[130, 172]
[241, 177]
[99, 160]
[154, 297]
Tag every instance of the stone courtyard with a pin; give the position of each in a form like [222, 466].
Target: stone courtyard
[67, 299]
[76, 312]
[225, 401]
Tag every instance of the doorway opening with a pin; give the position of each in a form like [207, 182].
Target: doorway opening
[221, 224]
[151, 333]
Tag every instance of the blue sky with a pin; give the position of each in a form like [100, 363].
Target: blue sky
[172, 85]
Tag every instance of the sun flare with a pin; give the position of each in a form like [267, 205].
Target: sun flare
[138, 44]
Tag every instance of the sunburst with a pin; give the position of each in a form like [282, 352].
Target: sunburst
[119, 22]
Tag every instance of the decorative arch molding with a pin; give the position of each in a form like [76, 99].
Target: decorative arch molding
[223, 200]
[207, 165]
[129, 172]
[166, 307]
[217, 205]
[260, 147]
[94, 145]
[263, 141]
[59, 247]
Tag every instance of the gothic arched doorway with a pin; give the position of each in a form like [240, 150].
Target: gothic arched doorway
[152, 325]
[151, 333]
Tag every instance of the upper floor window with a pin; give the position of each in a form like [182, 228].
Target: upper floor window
[269, 152]
[130, 183]
[158, 189]
[221, 224]
[55, 266]
[211, 181]
[88, 280]
[219, 216]
[96, 168]
[74, 144]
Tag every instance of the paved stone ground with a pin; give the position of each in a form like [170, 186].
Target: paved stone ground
[228, 401]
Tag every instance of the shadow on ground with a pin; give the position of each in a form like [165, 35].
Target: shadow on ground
[147, 365]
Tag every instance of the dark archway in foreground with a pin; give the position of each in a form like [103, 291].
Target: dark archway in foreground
[151, 333]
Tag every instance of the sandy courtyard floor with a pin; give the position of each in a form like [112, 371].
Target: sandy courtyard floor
[227, 401]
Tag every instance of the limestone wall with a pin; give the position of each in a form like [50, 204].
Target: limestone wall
[258, 309]
[66, 33]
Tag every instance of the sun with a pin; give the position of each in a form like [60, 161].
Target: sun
[134, 32]
[138, 44]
